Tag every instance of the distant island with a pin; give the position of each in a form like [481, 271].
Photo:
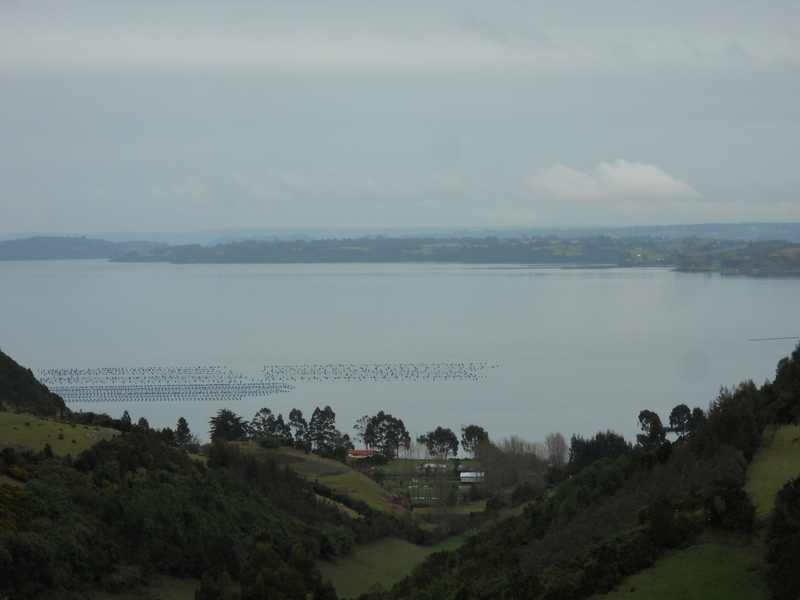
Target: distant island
[756, 253]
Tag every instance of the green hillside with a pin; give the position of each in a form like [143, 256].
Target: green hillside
[723, 564]
[25, 432]
[20, 392]
[668, 519]
[719, 566]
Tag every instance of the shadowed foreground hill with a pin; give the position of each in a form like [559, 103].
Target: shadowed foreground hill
[21, 392]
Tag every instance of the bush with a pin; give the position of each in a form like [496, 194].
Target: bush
[783, 543]
[18, 473]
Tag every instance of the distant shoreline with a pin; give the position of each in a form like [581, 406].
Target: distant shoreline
[688, 255]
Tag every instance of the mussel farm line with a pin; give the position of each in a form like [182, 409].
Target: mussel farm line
[156, 384]
[378, 372]
[167, 393]
[216, 383]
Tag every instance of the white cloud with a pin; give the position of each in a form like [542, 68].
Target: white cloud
[619, 180]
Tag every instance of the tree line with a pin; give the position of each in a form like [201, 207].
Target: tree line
[381, 432]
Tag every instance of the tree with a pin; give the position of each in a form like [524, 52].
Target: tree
[125, 422]
[737, 417]
[440, 442]
[654, 432]
[608, 444]
[282, 429]
[556, 449]
[168, 435]
[783, 396]
[266, 576]
[472, 436]
[512, 461]
[322, 432]
[227, 425]
[383, 432]
[783, 543]
[214, 588]
[266, 424]
[182, 433]
[263, 423]
[298, 425]
[680, 420]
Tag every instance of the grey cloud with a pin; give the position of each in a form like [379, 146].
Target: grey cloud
[189, 115]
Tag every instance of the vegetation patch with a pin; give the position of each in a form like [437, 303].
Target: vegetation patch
[160, 588]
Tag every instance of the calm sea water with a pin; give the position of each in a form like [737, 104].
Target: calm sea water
[569, 350]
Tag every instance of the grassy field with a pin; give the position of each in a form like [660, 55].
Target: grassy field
[336, 476]
[721, 566]
[23, 431]
[361, 487]
[458, 509]
[384, 562]
[774, 464]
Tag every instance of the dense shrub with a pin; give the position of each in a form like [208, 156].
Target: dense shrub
[783, 543]
[132, 506]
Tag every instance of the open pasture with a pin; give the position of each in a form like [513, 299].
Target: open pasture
[33, 433]
[721, 566]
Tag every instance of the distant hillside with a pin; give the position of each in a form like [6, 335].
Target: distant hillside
[754, 253]
[21, 392]
[748, 232]
[689, 254]
[753, 258]
[68, 248]
[599, 250]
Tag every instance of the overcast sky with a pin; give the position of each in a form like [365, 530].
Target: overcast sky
[182, 116]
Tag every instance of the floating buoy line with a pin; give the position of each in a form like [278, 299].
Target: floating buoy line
[216, 383]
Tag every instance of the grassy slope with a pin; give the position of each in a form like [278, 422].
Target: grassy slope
[383, 562]
[774, 464]
[33, 433]
[723, 565]
[340, 478]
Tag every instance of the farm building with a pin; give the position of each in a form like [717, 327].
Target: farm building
[356, 455]
[472, 477]
[432, 468]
